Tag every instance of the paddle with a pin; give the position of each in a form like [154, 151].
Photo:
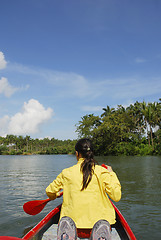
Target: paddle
[36, 206]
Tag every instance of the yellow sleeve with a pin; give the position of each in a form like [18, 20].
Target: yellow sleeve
[53, 189]
[112, 186]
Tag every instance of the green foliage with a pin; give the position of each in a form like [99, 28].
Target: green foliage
[87, 125]
[135, 130]
[16, 145]
[145, 149]
[124, 148]
[3, 149]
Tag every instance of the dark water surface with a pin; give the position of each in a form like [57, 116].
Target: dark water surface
[24, 178]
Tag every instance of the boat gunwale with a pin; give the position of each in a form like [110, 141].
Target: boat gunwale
[36, 229]
[124, 224]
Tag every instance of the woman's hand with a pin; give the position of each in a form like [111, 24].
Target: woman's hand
[59, 194]
[109, 168]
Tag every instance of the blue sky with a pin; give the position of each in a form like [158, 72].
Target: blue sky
[61, 60]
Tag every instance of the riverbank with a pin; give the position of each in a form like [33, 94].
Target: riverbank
[14, 145]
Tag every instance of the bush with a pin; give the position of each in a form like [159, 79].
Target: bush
[145, 149]
[124, 148]
[3, 149]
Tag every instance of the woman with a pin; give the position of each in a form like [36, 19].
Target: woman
[85, 201]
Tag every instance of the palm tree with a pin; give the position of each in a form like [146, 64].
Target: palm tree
[27, 140]
[107, 111]
[135, 112]
[152, 118]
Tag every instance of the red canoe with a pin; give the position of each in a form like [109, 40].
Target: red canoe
[47, 228]
[120, 230]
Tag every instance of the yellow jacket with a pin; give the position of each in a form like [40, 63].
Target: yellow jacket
[92, 204]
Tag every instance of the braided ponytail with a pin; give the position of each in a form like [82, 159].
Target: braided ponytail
[84, 147]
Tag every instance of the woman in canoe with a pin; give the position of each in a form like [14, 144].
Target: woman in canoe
[85, 202]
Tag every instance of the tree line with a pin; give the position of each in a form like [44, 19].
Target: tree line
[132, 130]
[18, 145]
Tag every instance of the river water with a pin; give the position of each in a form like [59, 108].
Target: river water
[24, 178]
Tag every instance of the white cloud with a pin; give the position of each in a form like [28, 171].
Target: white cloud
[128, 88]
[3, 62]
[30, 118]
[24, 88]
[68, 84]
[140, 60]
[6, 88]
[27, 121]
[92, 108]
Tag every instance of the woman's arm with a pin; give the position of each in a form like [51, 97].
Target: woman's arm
[53, 189]
[112, 185]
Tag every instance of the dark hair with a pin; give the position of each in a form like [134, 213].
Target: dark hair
[85, 148]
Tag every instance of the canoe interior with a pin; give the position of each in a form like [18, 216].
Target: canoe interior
[37, 232]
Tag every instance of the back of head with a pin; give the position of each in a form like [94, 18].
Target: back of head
[85, 148]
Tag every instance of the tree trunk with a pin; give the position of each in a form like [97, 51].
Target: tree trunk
[151, 134]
